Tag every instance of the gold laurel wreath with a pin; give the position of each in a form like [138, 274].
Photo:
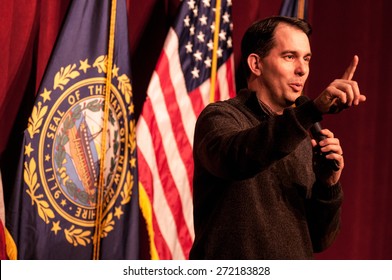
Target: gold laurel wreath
[64, 76]
[132, 135]
[127, 189]
[107, 225]
[101, 63]
[31, 178]
[124, 84]
[36, 119]
[77, 236]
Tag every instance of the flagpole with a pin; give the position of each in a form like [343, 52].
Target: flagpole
[215, 49]
[301, 9]
[101, 182]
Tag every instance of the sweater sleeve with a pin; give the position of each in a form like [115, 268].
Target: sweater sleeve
[232, 143]
[323, 214]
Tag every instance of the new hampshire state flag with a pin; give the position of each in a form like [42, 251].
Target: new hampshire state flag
[77, 195]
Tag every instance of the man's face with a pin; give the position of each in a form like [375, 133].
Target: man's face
[286, 67]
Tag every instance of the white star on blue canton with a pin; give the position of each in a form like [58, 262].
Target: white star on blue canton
[208, 62]
[196, 12]
[226, 18]
[195, 73]
[200, 36]
[191, 4]
[192, 30]
[222, 35]
[203, 20]
[210, 45]
[229, 42]
[206, 3]
[198, 55]
[187, 20]
[188, 47]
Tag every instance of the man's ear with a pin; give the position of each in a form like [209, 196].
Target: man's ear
[254, 63]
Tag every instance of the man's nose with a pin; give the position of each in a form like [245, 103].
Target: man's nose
[301, 68]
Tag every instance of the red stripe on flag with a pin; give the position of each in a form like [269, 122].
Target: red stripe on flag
[217, 91]
[168, 184]
[183, 144]
[230, 76]
[197, 101]
[147, 180]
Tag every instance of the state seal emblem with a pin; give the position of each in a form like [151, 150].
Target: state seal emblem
[67, 127]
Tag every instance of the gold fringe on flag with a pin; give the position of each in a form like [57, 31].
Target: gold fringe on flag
[146, 208]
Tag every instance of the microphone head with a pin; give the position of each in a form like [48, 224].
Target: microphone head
[301, 100]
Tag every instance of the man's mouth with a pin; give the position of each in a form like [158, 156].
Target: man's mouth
[296, 86]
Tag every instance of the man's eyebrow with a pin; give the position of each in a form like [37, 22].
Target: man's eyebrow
[294, 52]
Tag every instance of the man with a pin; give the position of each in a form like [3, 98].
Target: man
[259, 193]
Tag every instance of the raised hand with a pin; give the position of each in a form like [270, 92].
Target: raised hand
[341, 93]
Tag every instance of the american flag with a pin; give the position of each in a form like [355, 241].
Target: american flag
[179, 89]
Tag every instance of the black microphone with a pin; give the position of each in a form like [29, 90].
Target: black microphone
[315, 130]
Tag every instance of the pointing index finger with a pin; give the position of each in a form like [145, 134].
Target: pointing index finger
[349, 73]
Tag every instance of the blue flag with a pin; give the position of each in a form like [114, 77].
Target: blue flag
[75, 199]
[294, 8]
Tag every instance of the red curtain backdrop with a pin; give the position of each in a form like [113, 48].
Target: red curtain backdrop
[28, 31]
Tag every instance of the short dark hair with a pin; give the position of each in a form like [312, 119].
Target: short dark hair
[259, 37]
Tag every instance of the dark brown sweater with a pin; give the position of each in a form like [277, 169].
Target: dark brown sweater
[255, 192]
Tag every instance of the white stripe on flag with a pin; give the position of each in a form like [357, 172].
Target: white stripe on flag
[176, 165]
[161, 209]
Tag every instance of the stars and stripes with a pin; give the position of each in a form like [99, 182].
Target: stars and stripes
[195, 29]
[179, 89]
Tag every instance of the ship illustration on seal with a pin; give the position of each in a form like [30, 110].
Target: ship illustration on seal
[78, 152]
[82, 154]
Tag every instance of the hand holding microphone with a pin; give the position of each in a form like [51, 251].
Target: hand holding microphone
[317, 135]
